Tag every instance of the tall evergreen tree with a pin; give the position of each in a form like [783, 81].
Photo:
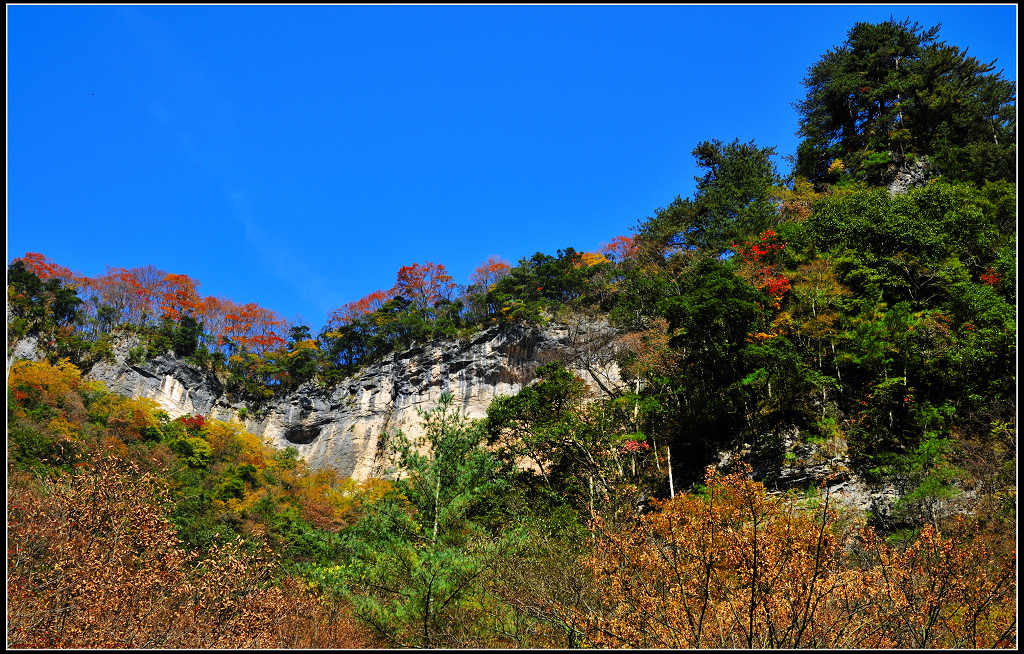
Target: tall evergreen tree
[892, 89]
[420, 554]
[732, 201]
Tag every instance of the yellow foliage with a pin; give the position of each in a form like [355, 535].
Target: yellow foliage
[53, 382]
[308, 344]
[63, 428]
[250, 499]
[129, 416]
[783, 324]
[96, 386]
[223, 438]
[253, 450]
[593, 258]
[103, 406]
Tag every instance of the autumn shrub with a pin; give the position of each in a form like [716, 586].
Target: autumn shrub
[737, 567]
[950, 590]
[33, 446]
[41, 388]
[222, 482]
[94, 562]
[547, 589]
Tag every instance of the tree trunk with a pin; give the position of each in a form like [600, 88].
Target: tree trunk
[437, 501]
[671, 486]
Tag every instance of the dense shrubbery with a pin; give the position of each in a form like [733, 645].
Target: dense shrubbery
[95, 563]
[127, 529]
[736, 568]
[225, 481]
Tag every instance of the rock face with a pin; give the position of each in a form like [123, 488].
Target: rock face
[178, 387]
[793, 462]
[341, 427]
[909, 175]
[26, 348]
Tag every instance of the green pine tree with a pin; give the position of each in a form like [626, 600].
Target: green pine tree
[421, 553]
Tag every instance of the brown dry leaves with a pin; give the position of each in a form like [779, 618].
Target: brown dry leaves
[741, 568]
[94, 563]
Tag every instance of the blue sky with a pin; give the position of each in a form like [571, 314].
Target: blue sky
[298, 156]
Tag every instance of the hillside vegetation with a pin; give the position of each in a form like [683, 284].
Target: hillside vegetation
[878, 327]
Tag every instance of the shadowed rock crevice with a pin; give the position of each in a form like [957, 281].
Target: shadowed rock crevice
[302, 434]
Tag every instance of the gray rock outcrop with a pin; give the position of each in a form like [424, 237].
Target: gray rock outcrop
[793, 461]
[26, 348]
[341, 427]
[910, 175]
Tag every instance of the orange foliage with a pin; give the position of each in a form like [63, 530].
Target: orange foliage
[112, 290]
[143, 286]
[619, 248]
[952, 590]
[424, 284]
[94, 563]
[740, 568]
[489, 272]
[139, 294]
[178, 297]
[43, 268]
[361, 307]
[256, 328]
[213, 312]
[132, 294]
[589, 259]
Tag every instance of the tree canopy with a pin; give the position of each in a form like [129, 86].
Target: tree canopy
[892, 90]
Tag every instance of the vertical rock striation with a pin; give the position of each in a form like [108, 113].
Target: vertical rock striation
[341, 427]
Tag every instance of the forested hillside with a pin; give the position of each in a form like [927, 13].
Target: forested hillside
[858, 309]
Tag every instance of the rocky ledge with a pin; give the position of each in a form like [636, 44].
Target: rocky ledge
[341, 427]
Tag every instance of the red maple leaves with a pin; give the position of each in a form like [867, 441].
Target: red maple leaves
[489, 272]
[43, 268]
[990, 277]
[138, 295]
[760, 265]
[423, 284]
[255, 328]
[619, 248]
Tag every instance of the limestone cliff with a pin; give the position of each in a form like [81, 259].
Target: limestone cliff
[340, 427]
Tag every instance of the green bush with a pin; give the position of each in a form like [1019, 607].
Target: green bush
[137, 355]
[32, 447]
[197, 451]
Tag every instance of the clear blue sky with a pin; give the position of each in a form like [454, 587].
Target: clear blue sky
[298, 156]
